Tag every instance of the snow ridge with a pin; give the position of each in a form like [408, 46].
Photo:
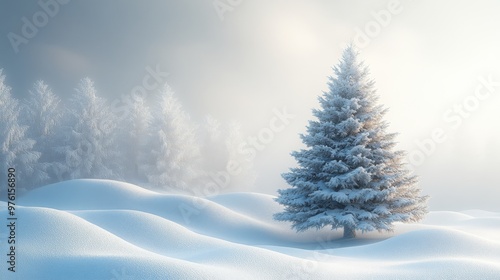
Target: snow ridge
[102, 229]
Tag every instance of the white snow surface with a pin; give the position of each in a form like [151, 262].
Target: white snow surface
[102, 229]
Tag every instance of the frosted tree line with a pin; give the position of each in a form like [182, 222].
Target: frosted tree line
[158, 144]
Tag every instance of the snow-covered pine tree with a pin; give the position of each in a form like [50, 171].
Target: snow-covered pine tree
[175, 153]
[43, 115]
[89, 147]
[349, 176]
[136, 132]
[16, 149]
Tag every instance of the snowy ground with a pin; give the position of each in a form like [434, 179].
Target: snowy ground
[98, 229]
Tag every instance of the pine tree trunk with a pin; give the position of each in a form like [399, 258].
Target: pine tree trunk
[349, 232]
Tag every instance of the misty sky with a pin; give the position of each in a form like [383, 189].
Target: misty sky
[435, 67]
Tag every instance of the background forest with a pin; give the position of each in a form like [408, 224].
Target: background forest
[147, 139]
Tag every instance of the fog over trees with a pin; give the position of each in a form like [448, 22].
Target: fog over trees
[150, 140]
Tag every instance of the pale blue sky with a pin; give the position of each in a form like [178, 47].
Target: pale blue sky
[426, 61]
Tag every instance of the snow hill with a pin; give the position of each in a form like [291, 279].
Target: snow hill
[101, 229]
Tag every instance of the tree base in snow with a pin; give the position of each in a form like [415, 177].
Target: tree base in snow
[349, 232]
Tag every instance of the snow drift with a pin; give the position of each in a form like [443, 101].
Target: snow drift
[101, 229]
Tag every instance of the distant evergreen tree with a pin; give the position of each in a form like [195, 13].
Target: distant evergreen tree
[136, 132]
[43, 115]
[220, 155]
[349, 176]
[89, 147]
[175, 153]
[16, 149]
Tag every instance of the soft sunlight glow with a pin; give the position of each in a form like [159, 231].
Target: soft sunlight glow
[293, 35]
